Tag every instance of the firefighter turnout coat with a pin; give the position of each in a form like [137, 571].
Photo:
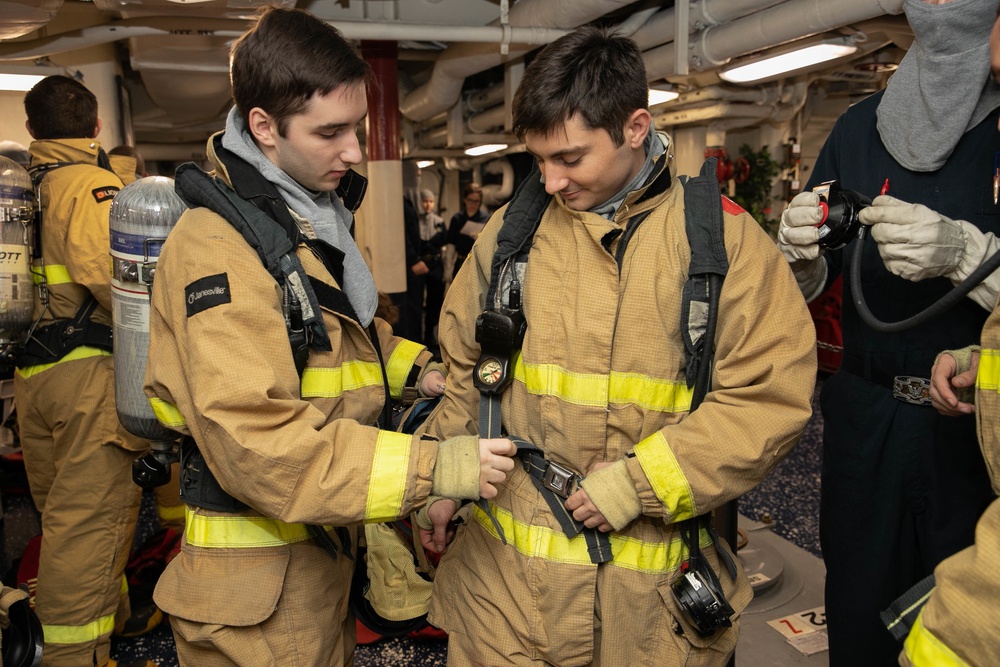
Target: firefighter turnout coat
[600, 378]
[77, 457]
[295, 450]
[959, 625]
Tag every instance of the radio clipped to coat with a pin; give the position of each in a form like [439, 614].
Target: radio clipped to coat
[142, 214]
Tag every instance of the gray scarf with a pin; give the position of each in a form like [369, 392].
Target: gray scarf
[654, 149]
[328, 216]
[943, 86]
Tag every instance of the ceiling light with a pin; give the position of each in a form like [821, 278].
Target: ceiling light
[790, 61]
[23, 77]
[423, 164]
[484, 149]
[661, 94]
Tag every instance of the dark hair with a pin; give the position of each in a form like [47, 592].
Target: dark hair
[286, 57]
[591, 71]
[472, 189]
[59, 107]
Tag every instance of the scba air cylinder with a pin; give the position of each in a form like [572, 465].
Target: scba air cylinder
[142, 214]
[17, 211]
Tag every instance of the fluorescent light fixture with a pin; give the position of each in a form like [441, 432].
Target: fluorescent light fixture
[423, 164]
[23, 77]
[790, 61]
[660, 95]
[484, 149]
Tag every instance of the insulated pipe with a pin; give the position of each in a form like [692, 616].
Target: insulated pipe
[776, 25]
[495, 195]
[660, 28]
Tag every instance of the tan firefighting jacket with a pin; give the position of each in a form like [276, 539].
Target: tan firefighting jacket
[959, 625]
[75, 202]
[601, 378]
[221, 370]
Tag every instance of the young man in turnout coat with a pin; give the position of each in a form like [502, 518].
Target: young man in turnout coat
[274, 446]
[902, 486]
[77, 456]
[600, 387]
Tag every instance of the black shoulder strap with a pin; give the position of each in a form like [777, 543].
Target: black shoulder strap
[265, 235]
[703, 221]
[520, 221]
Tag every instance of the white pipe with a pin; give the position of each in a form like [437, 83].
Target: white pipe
[790, 20]
[493, 194]
[660, 28]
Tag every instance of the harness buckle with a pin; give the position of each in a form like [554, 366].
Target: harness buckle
[559, 480]
[910, 389]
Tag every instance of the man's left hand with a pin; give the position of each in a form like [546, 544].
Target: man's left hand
[432, 384]
[915, 242]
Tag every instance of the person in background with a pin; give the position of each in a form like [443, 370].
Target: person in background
[276, 374]
[77, 456]
[433, 236]
[902, 486]
[464, 228]
[126, 151]
[600, 387]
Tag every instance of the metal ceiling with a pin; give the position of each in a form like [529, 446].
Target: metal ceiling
[459, 59]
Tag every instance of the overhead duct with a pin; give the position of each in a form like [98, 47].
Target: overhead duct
[20, 17]
[462, 60]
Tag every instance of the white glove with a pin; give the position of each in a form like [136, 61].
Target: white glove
[798, 234]
[917, 243]
[798, 240]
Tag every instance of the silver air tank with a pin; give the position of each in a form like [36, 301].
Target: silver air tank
[142, 214]
[17, 211]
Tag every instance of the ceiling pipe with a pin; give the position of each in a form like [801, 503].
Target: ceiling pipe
[776, 25]
[660, 28]
[462, 60]
[497, 194]
[180, 27]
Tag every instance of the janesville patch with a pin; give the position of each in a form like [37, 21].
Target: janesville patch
[207, 293]
[105, 193]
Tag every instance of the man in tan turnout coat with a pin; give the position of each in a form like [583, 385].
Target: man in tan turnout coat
[600, 386]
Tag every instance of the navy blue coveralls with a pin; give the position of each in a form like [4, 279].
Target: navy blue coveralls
[902, 486]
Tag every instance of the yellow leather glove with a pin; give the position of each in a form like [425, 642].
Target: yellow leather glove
[456, 471]
[612, 491]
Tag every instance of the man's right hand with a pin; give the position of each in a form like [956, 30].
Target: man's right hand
[798, 235]
[494, 463]
[946, 381]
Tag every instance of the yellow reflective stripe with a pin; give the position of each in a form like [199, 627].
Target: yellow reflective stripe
[169, 512]
[400, 363]
[123, 589]
[553, 545]
[82, 352]
[333, 382]
[79, 634]
[167, 413]
[54, 274]
[924, 649]
[389, 473]
[599, 390]
[240, 532]
[988, 376]
[666, 477]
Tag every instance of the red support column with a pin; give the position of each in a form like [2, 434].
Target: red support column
[381, 216]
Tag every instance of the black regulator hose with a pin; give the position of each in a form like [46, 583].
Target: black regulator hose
[940, 306]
